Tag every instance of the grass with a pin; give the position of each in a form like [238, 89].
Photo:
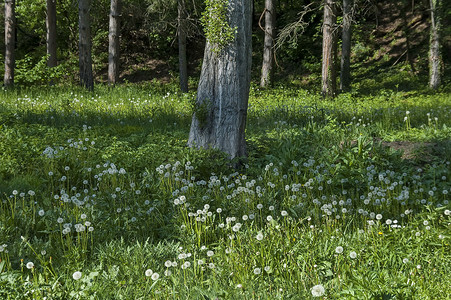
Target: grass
[101, 198]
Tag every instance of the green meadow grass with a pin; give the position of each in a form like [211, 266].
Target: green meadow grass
[101, 199]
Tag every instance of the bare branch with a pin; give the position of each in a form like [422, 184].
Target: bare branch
[291, 32]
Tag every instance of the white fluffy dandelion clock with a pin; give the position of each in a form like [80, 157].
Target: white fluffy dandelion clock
[318, 290]
[76, 275]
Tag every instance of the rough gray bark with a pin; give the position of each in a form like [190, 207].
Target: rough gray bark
[50, 22]
[84, 45]
[219, 118]
[113, 42]
[345, 74]
[435, 57]
[10, 39]
[328, 73]
[181, 32]
[268, 46]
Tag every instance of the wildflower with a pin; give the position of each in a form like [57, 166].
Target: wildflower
[257, 271]
[149, 272]
[76, 275]
[353, 254]
[30, 265]
[210, 253]
[155, 276]
[41, 213]
[339, 249]
[236, 227]
[168, 264]
[405, 260]
[284, 213]
[259, 236]
[318, 290]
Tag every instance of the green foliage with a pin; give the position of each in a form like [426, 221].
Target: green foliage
[103, 184]
[201, 110]
[217, 29]
[31, 72]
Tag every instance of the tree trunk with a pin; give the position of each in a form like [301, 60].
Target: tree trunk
[50, 22]
[329, 80]
[181, 32]
[219, 118]
[113, 42]
[10, 40]
[406, 30]
[268, 48]
[85, 60]
[435, 57]
[345, 75]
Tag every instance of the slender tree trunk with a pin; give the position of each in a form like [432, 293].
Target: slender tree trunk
[329, 49]
[220, 113]
[268, 48]
[113, 42]
[181, 32]
[85, 59]
[10, 41]
[345, 75]
[51, 33]
[406, 31]
[435, 57]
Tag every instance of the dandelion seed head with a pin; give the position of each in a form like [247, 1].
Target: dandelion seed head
[76, 275]
[318, 290]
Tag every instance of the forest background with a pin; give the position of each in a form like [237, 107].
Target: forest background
[385, 35]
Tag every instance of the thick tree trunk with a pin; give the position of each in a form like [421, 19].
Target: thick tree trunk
[113, 42]
[181, 32]
[268, 48]
[345, 74]
[329, 79]
[51, 33]
[220, 114]
[10, 40]
[84, 46]
[435, 57]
